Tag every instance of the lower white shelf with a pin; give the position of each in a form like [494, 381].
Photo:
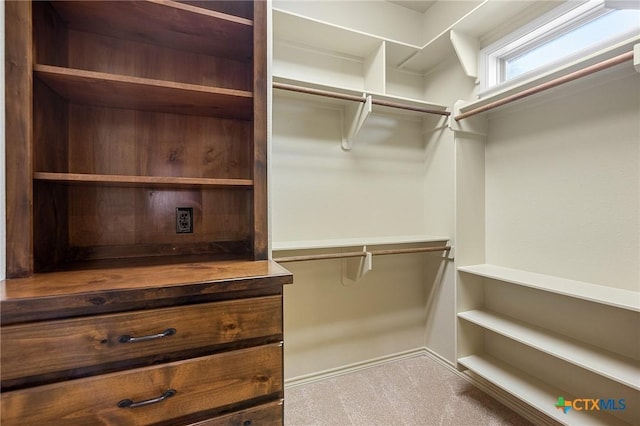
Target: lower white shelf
[615, 367]
[611, 296]
[534, 392]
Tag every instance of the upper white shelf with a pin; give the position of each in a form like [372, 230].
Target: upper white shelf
[619, 298]
[302, 30]
[477, 22]
[415, 56]
[356, 242]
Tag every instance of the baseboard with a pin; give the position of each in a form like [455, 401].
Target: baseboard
[350, 368]
[519, 406]
[507, 399]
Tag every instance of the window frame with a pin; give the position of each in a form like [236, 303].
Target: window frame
[560, 20]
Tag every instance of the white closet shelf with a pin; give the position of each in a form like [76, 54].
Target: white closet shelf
[408, 102]
[479, 21]
[613, 366]
[305, 31]
[356, 242]
[533, 391]
[620, 298]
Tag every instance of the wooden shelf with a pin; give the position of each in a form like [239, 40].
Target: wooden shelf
[118, 91]
[615, 367]
[619, 298]
[533, 391]
[356, 242]
[168, 23]
[65, 293]
[164, 181]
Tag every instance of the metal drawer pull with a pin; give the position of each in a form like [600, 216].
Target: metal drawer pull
[127, 403]
[130, 339]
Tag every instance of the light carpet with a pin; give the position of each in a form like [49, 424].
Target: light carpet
[414, 391]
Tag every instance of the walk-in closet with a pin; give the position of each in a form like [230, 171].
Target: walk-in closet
[318, 212]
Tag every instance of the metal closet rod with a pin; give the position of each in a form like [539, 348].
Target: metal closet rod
[335, 95]
[616, 60]
[360, 254]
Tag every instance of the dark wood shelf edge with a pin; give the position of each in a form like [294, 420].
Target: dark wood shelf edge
[130, 92]
[87, 178]
[56, 295]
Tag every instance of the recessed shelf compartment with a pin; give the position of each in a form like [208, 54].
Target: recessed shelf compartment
[169, 23]
[533, 391]
[620, 298]
[621, 369]
[117, 91]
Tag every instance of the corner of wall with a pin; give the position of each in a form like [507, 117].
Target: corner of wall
[3, 233]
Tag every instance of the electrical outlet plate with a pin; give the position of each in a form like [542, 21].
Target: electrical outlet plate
[184, 220]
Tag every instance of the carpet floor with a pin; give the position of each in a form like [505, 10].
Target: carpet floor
[414, 391]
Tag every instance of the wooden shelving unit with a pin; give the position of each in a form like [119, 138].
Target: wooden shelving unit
[138, 110]
[137, 152]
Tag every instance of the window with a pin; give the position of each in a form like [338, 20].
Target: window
[568, 32]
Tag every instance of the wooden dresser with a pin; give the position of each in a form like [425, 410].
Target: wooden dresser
[139, 289]
[130, 346]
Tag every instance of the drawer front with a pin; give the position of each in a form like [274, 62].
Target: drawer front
[199, 384]
[271, 414]
[82, 342]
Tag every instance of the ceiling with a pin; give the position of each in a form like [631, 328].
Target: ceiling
[417, 5]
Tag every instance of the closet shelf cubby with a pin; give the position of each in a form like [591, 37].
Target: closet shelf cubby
[461, 33]
[620, 298]
[118, 91]
[535, 392]
[618, 368]
[144, 181]
[456, 29]
[327, 37]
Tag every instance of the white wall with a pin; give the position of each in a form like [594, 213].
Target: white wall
[320, 192]
[563, 182]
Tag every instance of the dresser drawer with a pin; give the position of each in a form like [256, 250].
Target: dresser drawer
[200, 384]
[271, 414]
[46, 347]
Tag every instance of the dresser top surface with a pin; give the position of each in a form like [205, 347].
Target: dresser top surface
[137, 278]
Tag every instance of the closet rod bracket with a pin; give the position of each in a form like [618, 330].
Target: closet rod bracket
[354, 269]
[355, 115]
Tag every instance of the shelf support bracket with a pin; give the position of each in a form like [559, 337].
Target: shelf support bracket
[356, 116]
[466, 48]
[354, 269]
